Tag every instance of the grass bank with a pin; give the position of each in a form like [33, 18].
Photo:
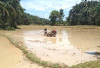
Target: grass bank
[91, 64]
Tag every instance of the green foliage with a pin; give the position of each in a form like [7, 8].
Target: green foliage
[61, 16]
[9, 11]
[12, 14]
[85, 13]
[56, 17]
[28, 19]
[91, 64]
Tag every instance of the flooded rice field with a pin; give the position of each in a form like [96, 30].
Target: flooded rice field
[72, 44]
[55, 49]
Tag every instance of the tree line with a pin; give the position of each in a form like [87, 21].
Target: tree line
[84, 13]
[12, 14]
[28, 19]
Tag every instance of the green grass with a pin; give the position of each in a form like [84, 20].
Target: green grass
[91, 64]
[32, 57]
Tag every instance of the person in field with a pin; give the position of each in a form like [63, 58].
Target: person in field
[50, 34]
[45, 31]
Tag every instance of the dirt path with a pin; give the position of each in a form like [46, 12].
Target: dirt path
[12, 57]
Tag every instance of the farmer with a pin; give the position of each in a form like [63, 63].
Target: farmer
[45, 31]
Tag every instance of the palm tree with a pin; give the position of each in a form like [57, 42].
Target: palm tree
[10, 9]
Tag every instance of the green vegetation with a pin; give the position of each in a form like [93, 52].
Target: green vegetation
[12, 14]
[28, 19]
[10, 10]
[85, 13]
[56, 17]
[91, 64]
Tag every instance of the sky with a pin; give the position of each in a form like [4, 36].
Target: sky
[43, 8]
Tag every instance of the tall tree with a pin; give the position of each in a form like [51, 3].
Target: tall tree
[61, 15]
[54, 17]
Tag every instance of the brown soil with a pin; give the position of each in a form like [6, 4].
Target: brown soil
[12, 57]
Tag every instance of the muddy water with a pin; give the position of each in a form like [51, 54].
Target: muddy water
[55, 49]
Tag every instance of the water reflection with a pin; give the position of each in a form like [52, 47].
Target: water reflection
[37, 37]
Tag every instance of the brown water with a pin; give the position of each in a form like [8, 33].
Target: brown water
[55, 49]
[72, 45]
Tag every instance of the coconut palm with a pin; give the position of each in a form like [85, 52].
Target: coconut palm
[10, 9]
